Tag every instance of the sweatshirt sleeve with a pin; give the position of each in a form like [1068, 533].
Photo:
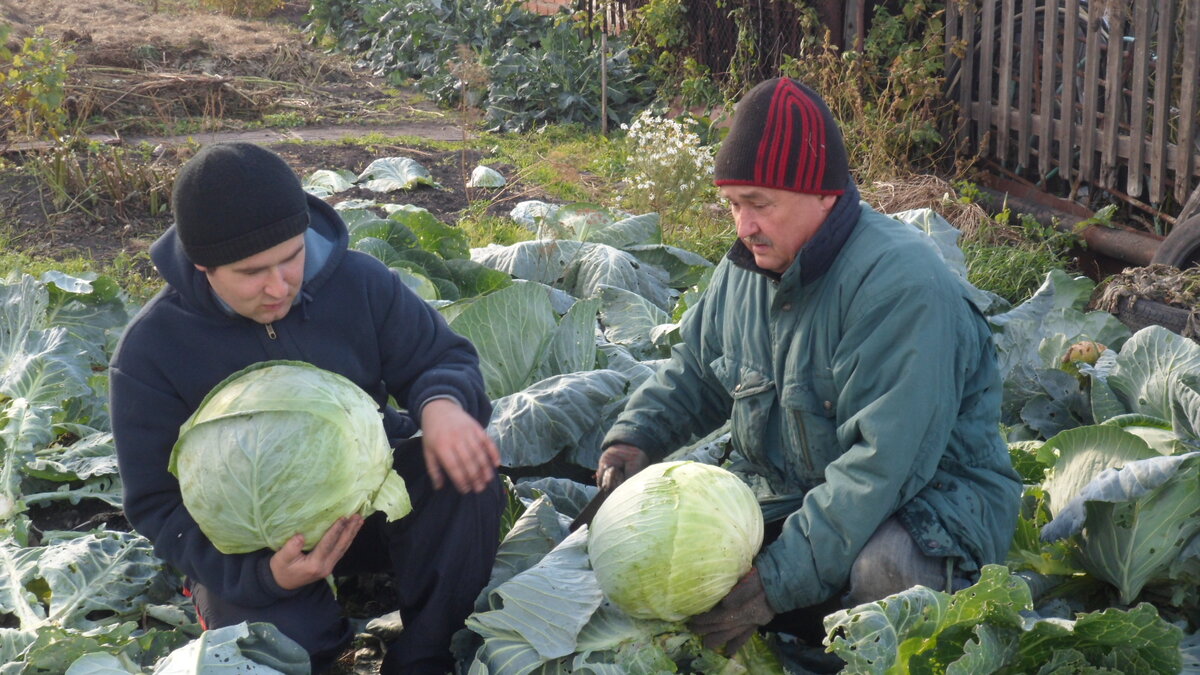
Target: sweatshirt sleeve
[900, 370]
[681, 400]
[145, 422]
[427, 359]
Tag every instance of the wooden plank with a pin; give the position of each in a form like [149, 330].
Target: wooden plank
[1185, 158]
[1025, 85]
[987, 47]
[967, 93]
[852, 26]
[1049, 82]
[1162, 99]
[1113, 100]
[1091, 93]
[1066, 129]
[1123, 142]
[1004, 96]
[1137, 98]
[953, 64]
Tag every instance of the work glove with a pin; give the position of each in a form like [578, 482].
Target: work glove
[736, 617]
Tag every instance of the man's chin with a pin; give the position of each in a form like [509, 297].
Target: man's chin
[766, 262]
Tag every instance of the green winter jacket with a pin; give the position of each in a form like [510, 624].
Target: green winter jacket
[867, 386]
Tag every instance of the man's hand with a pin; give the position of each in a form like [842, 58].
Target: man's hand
[455, 445]
[618, 462]
[293, 568]
[735, 618]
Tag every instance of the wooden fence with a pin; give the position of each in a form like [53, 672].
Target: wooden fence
[1101, 92]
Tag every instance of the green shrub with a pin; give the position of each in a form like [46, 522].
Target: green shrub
[32, 88]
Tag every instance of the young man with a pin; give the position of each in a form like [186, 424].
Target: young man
[860, 382]
[257, 270]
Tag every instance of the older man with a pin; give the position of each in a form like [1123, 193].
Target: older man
[859, 379]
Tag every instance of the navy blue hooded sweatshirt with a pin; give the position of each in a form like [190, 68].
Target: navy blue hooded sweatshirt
[353, 317]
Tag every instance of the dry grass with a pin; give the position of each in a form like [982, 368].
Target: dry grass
[1163, 283]
[138, 69]
[125, 25]
[928, 191]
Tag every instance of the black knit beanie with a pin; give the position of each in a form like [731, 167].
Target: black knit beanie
[783, 137]
[233, 200]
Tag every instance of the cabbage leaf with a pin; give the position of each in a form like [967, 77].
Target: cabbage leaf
[1146, 366]
[1134, 520]
[564, 415]
[388, 174]
[990, 628]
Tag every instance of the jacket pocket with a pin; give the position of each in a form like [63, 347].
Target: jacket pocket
[753, 394]
[810, 426]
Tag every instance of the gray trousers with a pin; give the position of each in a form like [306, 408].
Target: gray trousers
[890, 562]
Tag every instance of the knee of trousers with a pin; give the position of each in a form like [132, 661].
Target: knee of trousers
[892, 562]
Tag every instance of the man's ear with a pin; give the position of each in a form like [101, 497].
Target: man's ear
[202, 268]
[827, 202]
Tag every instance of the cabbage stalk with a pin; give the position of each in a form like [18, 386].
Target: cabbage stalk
[672, 540]
[283, 448]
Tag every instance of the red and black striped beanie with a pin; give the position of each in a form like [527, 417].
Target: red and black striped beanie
[783, 137]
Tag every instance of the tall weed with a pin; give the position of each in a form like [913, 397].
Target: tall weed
[104, 181]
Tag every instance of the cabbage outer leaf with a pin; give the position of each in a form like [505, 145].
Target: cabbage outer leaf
[1146, 366]
[1079, 455]
[1135, 520]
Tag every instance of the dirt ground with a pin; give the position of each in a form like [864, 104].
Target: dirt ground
[140, 75]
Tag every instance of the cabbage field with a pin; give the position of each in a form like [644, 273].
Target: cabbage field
[1103, 575]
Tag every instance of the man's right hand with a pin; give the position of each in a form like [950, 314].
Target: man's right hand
[618, 462]
[293, 568]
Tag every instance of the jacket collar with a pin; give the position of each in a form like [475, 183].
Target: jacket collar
[816, 256]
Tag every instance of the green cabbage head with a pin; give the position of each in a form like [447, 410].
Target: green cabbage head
[280, 448]
[672, 540]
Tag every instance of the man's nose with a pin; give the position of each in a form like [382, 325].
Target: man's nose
[745, 225]
[277, 285]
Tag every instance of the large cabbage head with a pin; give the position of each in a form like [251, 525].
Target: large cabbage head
[672, 540]
[280, 448]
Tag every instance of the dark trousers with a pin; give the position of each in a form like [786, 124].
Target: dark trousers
[440, 557]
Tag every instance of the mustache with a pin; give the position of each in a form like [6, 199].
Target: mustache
[756, 240]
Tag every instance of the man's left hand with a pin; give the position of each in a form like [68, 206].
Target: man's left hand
[736, 617]
[456, 446]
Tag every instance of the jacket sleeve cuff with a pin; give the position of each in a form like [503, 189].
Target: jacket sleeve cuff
[788, 582]
[629, 435]
[437, 397]
[266, 580]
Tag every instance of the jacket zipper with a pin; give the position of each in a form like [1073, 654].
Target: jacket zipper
[270, 330]
[804, 452]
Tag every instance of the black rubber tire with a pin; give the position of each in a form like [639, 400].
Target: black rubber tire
[1147, 312]
[1181, 248]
